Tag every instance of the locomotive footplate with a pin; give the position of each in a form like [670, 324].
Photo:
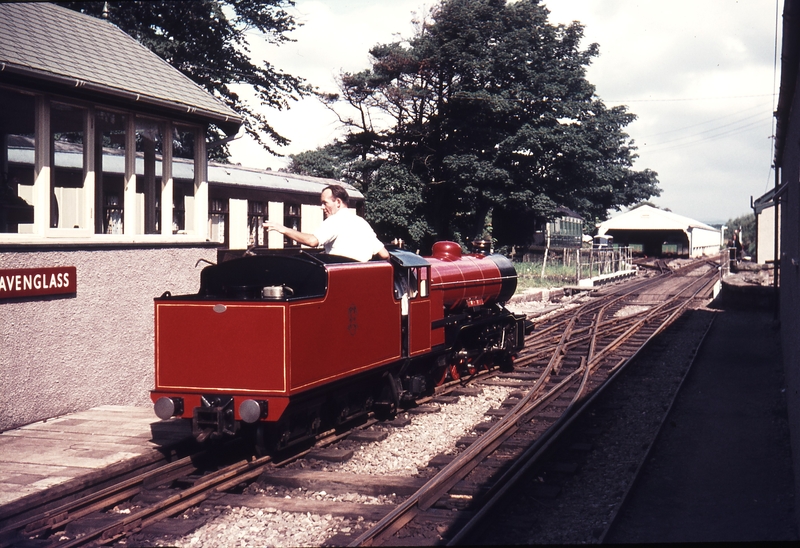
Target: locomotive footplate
[214, 418]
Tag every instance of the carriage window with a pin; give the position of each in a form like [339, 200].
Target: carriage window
[17, 119]
[256, 215]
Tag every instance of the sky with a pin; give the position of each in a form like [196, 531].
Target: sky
[700, 76]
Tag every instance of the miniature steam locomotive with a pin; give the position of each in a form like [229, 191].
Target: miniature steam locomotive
[283, 344]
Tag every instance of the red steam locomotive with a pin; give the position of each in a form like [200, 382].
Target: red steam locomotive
[284, 344]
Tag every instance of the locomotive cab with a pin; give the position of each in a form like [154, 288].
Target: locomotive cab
[412, 275]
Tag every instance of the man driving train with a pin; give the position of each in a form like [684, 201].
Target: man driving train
[342, 232]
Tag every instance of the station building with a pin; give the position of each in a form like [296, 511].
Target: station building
[107, 200]
[786, 197]
[655, 232]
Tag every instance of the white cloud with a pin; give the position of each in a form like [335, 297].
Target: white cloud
[695, 73]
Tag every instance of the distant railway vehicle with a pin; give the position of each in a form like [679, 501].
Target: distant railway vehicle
[563, 232]
[603, 242]
[283, 344]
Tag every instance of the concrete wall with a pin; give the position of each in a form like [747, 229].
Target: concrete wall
[71, 353]
[704, 242]
[790, 277]
[765, 246]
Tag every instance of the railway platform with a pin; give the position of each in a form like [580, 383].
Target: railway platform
[64, 451]
[721, 469]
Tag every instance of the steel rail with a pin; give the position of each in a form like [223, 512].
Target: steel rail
[537, 450]
[466, 461]
[459, 467]
[646, 457]
[221, 480]
[53, 519]
[505, 427]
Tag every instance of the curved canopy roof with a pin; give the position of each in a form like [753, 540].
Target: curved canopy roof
[646, 217]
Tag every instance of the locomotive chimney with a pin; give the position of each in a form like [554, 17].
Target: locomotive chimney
[482, 246]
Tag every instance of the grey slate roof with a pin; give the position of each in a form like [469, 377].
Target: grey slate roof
[50, 42]
[227, 174]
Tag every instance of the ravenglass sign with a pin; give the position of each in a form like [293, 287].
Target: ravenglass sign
[34, 282]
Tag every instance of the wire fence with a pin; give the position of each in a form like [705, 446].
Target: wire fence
[557, 267]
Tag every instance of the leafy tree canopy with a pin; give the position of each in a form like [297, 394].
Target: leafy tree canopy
[338, 160]
[747, 226]
[207, 41]
[484, 120]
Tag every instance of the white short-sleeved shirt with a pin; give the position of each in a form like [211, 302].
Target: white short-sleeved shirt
[348, 235]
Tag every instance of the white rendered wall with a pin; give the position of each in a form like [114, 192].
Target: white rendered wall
[75, 352]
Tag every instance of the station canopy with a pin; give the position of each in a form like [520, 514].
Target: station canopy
[657, 230]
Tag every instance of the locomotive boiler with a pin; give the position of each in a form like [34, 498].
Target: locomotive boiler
[282, 344]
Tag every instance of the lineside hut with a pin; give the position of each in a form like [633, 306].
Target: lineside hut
[654, 232]
[767, 227]
[107, 200]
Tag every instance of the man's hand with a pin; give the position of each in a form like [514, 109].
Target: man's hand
[301, 237]
[277, 227]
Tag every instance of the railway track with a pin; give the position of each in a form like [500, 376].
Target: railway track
[594, 341]
[567, 358]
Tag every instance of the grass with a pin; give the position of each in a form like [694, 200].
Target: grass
[529, 275]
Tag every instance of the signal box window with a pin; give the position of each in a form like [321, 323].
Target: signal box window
[68, 173]
[109, 180]
[17, 127]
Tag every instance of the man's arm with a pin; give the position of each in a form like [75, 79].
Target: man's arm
[302, 237]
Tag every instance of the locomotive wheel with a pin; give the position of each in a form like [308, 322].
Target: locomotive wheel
[389, 398]
[314, 426]
[261, 440]
[507, 363]
[442, 378]
[454, 373]
[267, 439]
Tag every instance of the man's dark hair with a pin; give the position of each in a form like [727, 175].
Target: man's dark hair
[339, 192]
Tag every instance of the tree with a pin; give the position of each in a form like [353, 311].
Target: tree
[489, 110]
[747, 227]
[207, 41]
[336, 160]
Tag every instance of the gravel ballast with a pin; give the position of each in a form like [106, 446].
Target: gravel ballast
[619, 436]
[405, 452]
